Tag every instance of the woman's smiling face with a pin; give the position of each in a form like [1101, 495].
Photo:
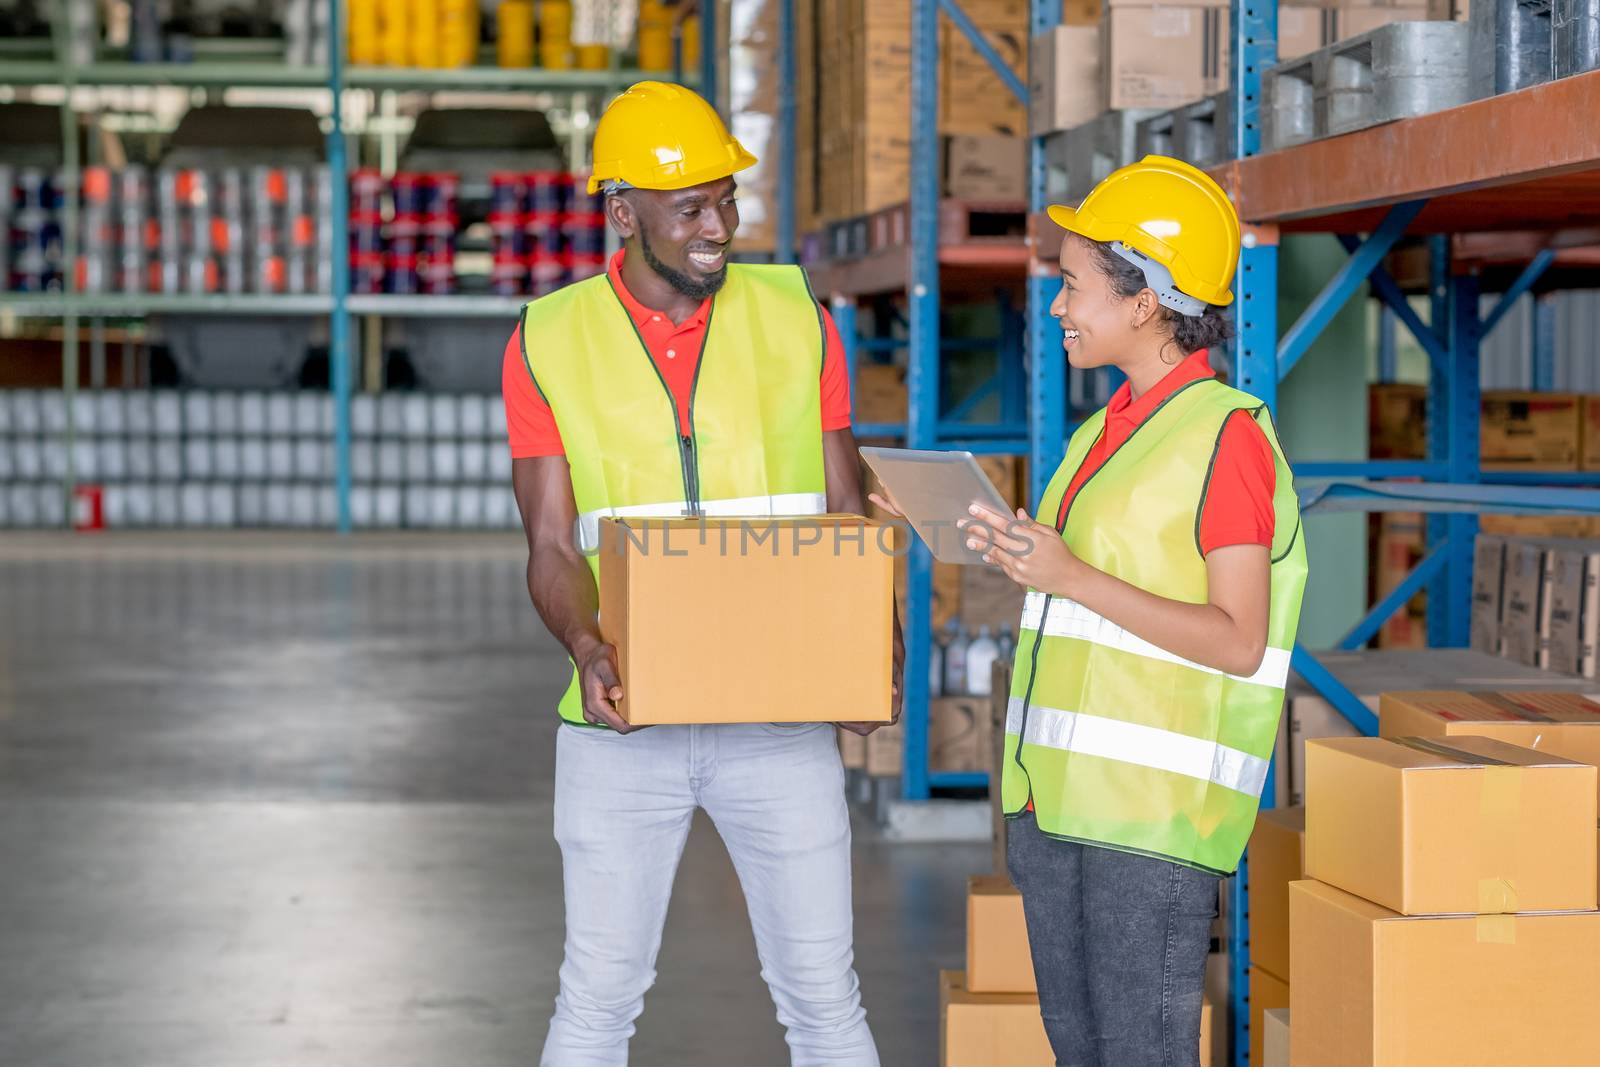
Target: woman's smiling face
[1094, 320]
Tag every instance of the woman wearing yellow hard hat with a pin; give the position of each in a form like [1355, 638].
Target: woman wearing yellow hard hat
[1164, 574]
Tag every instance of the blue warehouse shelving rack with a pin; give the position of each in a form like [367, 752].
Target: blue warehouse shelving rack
[1423, 176]
[1528, 162]
[581, 90]
[923, 267]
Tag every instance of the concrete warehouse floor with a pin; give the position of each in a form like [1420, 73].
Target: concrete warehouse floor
[272, 800]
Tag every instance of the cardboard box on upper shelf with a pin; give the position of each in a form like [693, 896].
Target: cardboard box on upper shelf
[1064, 78]
[1162, 55]
[1530, 431]
[1488, 590]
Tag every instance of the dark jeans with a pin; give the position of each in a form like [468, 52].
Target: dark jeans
[1119, 948]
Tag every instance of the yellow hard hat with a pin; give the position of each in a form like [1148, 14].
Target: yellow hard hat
[662, 136]
[1168, 212]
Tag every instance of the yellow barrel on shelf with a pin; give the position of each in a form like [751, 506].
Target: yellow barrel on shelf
[555, 34]
[426, 44]
[691, 43]
[458, 32]
[655, 35]
[394, 35]
[365, 35]
[594, 56]
[514, 33]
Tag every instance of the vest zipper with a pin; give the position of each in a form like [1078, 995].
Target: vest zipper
[691, 473]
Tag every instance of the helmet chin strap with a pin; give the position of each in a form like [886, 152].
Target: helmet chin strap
[1159, 278]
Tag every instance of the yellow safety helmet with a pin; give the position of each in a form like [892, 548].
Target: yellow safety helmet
[662, 136]
[1168, 214]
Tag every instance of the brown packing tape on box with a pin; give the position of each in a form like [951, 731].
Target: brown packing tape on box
[1372, 988]
[1455, 825]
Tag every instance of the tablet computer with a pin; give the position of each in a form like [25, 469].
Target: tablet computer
[935, 489]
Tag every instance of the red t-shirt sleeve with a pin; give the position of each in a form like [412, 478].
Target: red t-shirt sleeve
[1238, 504]
[835, 378]
[530, 424]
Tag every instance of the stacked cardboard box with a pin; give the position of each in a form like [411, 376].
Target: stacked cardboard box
[1531, 431]
[1402, 540]
[989, 1013]
[1537, 601]
[1305, 26]
[1397, 421]
[1277, 858]
[1448, 914]
[1561, 723]
[854, 98]
[1517, 430]
[1368, 674]
[1162, 55]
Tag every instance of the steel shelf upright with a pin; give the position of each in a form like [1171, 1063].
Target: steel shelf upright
[1253, 48]
[923, 429]
[1047, 365]
[1543, 176]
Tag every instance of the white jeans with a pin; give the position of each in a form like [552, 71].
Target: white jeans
[622, 810]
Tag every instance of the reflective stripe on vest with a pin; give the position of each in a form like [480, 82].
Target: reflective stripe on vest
[1116, 741]
[1147, 746]
[762, 507]
[1068, 618]
[755, 408]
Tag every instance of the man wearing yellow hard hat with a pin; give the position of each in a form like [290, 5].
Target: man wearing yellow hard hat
[1163, 576]
[680, 383]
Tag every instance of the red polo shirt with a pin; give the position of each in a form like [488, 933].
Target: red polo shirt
[1238, 504]
[675, 348]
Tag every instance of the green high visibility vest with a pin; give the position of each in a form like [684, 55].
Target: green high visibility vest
[755, 409]
[1120, 743]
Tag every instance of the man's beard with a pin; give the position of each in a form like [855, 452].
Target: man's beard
[683, 283]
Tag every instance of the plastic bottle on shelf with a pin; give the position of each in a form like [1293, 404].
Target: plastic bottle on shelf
[981, 655]
[1008, 642]
[936, 654]
[955, 661]
[514, 33]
